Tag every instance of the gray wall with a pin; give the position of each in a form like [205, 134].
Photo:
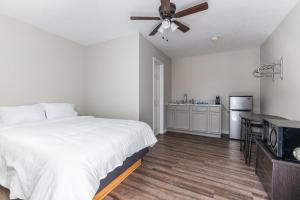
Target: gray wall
[146, 53]
[221, 74]
[36, 66]
[282, 97]
[113, 78]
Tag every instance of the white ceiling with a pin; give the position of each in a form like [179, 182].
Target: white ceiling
[239, 23]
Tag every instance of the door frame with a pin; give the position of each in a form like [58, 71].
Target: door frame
[161, 95]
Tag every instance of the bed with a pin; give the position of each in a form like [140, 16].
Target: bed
[78, 158]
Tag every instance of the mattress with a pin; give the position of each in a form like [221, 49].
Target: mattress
[66, 158]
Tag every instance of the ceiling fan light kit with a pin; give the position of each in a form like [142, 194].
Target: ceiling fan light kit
[167, 12]
[215, 38]
[166, 25]
[174, 27]
[161, 30]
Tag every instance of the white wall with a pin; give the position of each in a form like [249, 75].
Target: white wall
[217, 74]
[120, 81]
[282, 97]
[146, 53]
[105, 80]
[113, 78]
[36, 66]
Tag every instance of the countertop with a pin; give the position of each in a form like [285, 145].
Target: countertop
[258, 117]
[284, 123]
[199, 105]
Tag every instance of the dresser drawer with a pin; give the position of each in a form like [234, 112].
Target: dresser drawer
[264, 168]
[199, 108]
[281, 179]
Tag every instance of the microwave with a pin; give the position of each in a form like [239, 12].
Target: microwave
[282, 137]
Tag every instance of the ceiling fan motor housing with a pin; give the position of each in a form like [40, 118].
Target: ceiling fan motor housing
[167, 13]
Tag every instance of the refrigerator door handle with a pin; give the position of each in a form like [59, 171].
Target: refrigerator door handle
[239, 110]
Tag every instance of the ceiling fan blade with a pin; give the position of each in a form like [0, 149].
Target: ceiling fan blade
[192, 10]
[155, 30]
[181, 26]
[145, 18]
[165, 4]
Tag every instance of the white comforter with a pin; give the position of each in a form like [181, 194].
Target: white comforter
[65, 159]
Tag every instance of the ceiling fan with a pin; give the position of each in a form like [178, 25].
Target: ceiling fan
[167, 12]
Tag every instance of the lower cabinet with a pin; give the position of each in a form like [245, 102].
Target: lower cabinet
[199, 121]
[214, 122]
[182, 120]
[195, 119]
[170, 118]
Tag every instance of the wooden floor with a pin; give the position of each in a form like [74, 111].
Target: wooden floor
[183, 167]
[186, 167]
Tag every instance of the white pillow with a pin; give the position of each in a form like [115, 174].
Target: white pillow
[59, 110]
[21, 114]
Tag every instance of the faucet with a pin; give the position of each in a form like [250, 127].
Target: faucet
[185, 98]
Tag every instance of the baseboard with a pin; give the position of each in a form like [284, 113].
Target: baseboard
[196, 133]
[165, 130]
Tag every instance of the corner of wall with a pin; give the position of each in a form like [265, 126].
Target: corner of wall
[113, 72]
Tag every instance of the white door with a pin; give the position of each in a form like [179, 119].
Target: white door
[156, 98]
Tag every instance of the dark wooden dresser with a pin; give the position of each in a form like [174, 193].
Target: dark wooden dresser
[280, 179]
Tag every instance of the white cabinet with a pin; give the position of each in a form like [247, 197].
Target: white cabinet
[214, 122]
[198, 121]
[182, 120]
[170, 118]
[201, 120]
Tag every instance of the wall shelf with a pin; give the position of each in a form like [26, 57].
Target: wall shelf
[270, 70]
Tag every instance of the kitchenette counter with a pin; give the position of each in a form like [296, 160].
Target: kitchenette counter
[198, 105]
[199, 119]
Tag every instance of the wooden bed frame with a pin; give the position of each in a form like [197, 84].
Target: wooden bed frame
[110, 187]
